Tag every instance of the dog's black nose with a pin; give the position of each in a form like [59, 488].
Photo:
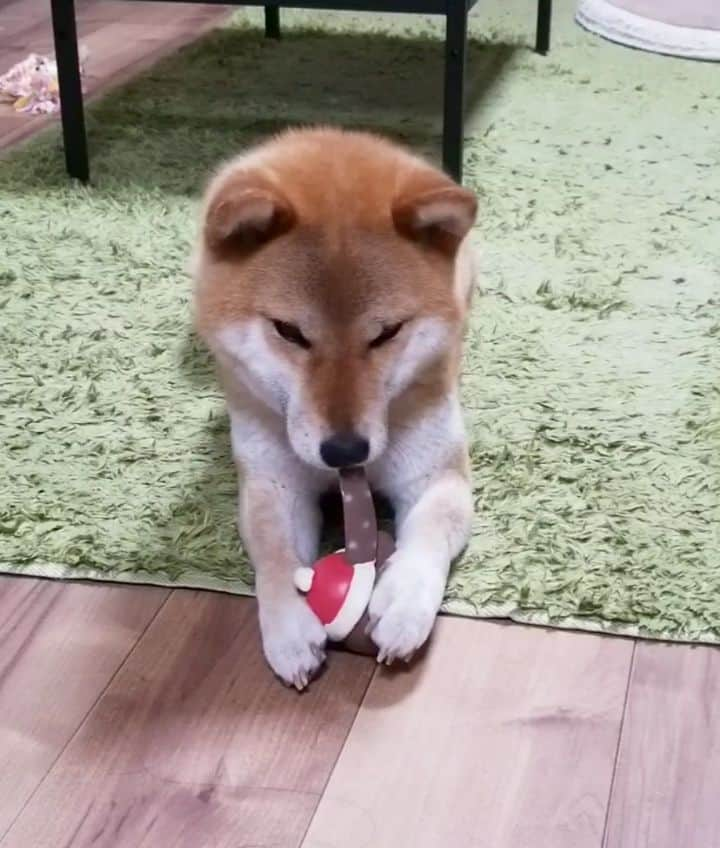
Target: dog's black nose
[344, 449]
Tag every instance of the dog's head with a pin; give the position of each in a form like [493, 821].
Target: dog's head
[329, 283]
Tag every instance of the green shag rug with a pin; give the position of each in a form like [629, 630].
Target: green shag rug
[592, 383]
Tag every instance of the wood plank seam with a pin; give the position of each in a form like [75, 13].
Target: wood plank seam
[479, 728]
[10, 666]
[195, 743]
[81, 723]
[321, 795]
[611, 789]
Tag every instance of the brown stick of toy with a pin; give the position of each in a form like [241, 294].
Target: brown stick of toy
[363, 543]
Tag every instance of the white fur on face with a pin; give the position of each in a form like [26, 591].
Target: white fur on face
[275, 381]
[304, 428]
[279, 383]
[429, 338]
[243, 348]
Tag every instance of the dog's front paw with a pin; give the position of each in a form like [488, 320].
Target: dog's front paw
[293, 641]
[403, 608]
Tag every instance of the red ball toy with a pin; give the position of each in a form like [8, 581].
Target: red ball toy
[338, 587]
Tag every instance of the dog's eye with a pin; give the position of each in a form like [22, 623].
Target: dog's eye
[387, 334]
[291, 334]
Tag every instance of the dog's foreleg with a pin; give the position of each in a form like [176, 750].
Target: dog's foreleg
[432, 528]
[280, 525]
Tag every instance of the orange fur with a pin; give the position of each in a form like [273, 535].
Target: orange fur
[333, 277]
[343, 233]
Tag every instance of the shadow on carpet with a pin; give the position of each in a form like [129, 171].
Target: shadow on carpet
[168, 129]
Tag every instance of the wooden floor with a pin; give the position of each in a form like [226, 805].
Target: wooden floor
[136, 717]
[122, 39]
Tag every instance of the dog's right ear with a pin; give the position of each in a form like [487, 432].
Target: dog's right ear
[434, 211]
[244, 213]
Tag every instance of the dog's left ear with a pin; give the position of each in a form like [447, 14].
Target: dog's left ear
[435, 212]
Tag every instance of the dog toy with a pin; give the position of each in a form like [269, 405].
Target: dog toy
[338, 586]
[32, 84]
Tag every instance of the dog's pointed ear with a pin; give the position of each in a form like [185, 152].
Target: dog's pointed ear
[435, 211]
[245, 213]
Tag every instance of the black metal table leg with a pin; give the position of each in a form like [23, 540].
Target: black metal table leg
[71, 99]
[544, 18]
[454, 106]
[272, 22]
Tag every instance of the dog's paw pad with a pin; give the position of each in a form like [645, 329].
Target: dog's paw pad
[402, 614]
[401, 631]
[294, 643]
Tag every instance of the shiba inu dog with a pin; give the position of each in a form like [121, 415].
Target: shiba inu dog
[333, 276]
